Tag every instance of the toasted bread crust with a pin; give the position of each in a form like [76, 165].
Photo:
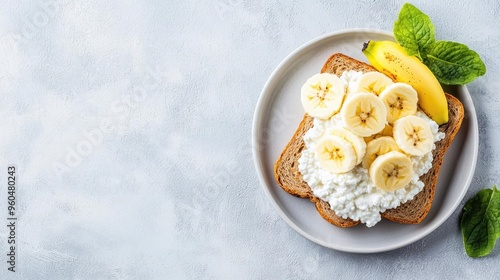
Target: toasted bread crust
[290, 179]
[338, 63]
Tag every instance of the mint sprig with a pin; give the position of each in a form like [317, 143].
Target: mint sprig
[414, 31]
[452, 63]
[480, 222]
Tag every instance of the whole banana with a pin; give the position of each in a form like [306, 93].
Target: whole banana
[391, 59]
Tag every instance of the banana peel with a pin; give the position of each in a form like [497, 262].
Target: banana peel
[391, 59]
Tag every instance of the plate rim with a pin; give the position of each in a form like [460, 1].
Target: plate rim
[258, 161]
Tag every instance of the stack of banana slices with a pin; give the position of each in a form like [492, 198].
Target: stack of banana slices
[379, 131]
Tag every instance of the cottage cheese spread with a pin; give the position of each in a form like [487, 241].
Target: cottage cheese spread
[353, 194]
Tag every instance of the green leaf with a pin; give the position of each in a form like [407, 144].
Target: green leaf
[480, 222]
[454, 63]
[414, 31]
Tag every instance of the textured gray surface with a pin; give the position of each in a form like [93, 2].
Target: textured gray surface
[129, 123]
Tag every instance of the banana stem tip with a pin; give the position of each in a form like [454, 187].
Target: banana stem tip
[365, 45]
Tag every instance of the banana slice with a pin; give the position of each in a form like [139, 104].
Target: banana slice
[357, 142]
[378, 147]
[364, 114]
[400, 100]
[372, 82]
[322, 95]
[391, 171]
[413, 135]
[335, 154]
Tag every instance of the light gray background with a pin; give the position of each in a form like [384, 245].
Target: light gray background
[129, 123]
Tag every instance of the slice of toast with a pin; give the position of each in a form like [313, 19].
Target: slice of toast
[288, 177]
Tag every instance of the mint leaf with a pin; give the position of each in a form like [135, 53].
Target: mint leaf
[414, 31]
[480, 222]
[454, 63]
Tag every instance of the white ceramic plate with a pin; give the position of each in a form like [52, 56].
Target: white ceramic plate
[278, 114]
